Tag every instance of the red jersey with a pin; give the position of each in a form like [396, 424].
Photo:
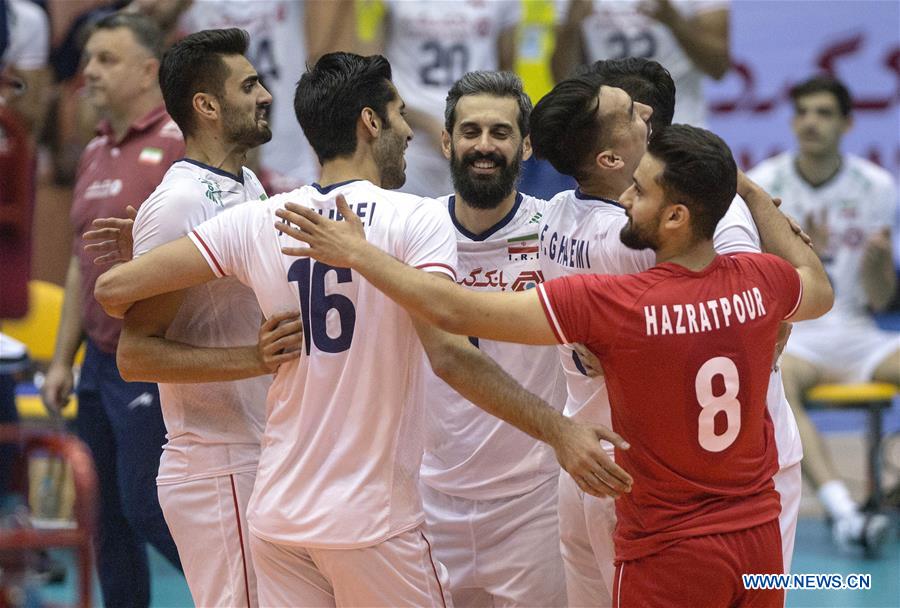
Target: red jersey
[112, 175]
[687, 357]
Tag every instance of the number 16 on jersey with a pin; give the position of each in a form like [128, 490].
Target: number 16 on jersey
[315, 305]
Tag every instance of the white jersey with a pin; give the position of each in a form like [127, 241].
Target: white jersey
[278, 52]
[28, 45]
[857, 202]
[344, 425]
[431, 44]
[212, 428]
[580, 235]
[616, 29]
[468, 452]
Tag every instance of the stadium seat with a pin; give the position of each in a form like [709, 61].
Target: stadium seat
[37, 330]
[874, 398]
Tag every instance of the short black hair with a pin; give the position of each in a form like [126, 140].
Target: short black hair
[331, 95]
[647, 82]
[194, 65]
[498, 84]
[699, 173]
[144, 29]
[825, 84]
[565, 126]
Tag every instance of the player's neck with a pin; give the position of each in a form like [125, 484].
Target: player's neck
[694, 257]
[477, 220]
[601, 186]
[210, 149]
[817, 170]
[347, 168]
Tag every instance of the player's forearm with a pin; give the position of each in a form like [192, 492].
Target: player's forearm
[704, 39]
[879, 282]
[569, 51]
[778, 238]
[172, 267]
[71, 328]
[479, 379]
[440, 302]
[156, 359]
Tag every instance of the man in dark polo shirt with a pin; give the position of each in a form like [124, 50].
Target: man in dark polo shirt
[121, 422]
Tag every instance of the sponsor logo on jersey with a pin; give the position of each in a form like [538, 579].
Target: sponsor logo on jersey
[213, 191]
[479, 278]
[103, 188]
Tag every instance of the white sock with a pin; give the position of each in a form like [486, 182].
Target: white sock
[837, 500]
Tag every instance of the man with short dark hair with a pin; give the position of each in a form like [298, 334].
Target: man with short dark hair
[684, 346]
[489, 490]
[335, 515]
[120, 421]
[847, 205]
[209, 462]
[580, 235]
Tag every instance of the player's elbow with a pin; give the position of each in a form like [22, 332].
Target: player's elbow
[129, 361]
[125, 360]
[109, 289]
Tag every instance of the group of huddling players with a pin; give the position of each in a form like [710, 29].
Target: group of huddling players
[628, 329]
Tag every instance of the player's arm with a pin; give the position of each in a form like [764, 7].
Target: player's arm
[327, 27]
[59, 380]
[778, 238]
[506, 49]
[144, 353]
[509, 317]
[879, 279]
[704, 37]
[569, 51]
[171, 267]
[479, 379]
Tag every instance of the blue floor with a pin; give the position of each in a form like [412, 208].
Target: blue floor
[814, 554]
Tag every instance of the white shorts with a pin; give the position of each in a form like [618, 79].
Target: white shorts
[397, 572]
[501, 552]
[586, 525]
[845, 352]
[207, 518]
[788, 484]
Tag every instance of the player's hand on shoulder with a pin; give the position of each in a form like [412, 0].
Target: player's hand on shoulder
[335, 243]
[111, 239]
[280, 340]
[580, 453]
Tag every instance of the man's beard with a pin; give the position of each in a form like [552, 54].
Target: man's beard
[389, 153]
[484, 191]
[636, 237]
[246, 133]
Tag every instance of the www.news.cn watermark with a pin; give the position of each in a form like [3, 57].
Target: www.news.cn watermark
[793, 582]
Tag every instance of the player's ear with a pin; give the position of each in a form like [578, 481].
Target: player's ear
[677, 215]
[608, 160]
[371, 122]
[445, 144]
[206, 105]
[526, 147]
